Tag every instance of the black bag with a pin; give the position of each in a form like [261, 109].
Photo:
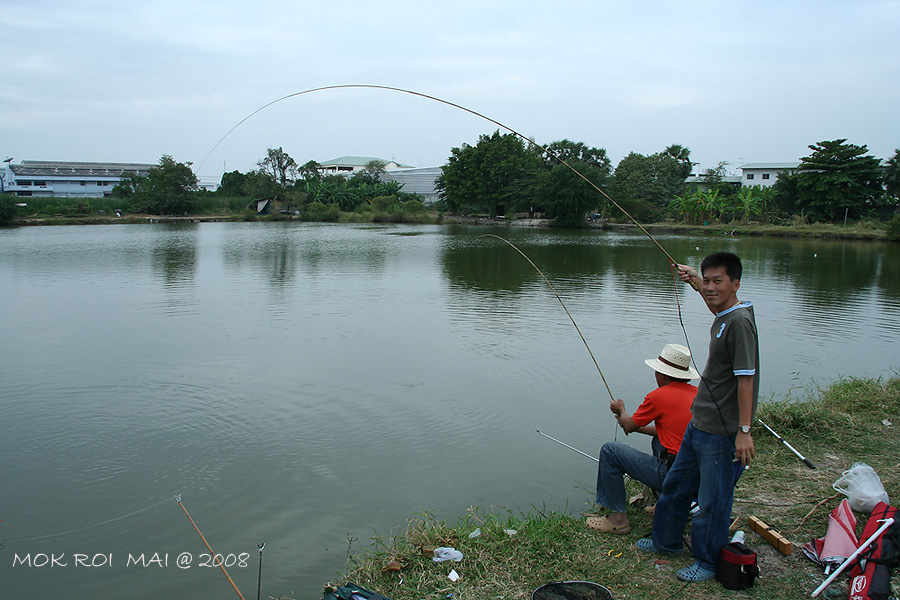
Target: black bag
[737, 568]
[350, 591]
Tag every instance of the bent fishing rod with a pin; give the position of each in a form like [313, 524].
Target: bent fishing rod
[531, 142]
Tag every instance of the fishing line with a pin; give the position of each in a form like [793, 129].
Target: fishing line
[95, 525]
[552, 289]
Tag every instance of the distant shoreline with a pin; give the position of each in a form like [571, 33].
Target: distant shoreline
[815, 231]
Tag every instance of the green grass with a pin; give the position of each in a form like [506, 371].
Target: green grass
[862, 230]
[834, 427]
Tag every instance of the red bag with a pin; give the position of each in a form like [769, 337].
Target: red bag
[870, 578]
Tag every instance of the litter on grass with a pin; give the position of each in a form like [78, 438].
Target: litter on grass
[442, 554]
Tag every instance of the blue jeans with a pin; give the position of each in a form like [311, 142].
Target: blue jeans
[702, 470]
[618, 459]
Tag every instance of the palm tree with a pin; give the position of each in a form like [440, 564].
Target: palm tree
[682, 155]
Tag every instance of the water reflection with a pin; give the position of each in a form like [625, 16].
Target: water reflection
[174, 254]
[889, 273]
[281, 251]
[827, 273]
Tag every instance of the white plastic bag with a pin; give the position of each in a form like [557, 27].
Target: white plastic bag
[861, 484]
[441, 554]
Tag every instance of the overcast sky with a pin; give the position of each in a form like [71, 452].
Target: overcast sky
[750, 81]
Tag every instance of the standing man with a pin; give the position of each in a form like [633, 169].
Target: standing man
[723, 411]
[664, 414]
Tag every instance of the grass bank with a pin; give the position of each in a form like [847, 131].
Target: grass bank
[862, 230]
[849, 421]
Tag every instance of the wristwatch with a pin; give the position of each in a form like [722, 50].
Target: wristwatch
[745, 429]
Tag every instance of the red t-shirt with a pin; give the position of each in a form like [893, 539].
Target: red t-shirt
[669, 407]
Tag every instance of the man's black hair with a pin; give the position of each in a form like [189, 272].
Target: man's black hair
[728, 260]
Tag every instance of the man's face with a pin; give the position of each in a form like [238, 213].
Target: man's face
[719, 290]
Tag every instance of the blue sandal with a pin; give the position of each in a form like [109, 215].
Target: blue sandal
[694, 573]
[646, 544]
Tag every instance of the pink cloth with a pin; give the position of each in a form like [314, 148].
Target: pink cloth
[840, 539]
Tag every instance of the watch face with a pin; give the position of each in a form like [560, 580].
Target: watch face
[745, 428]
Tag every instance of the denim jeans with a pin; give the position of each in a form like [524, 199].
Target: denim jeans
[702, 470]
[618, 459]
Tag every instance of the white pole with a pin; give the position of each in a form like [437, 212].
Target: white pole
[593, 458]
[886, 523]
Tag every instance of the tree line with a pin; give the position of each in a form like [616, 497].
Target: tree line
[172, 188]
[502, 173]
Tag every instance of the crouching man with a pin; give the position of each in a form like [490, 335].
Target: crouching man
[664, 414]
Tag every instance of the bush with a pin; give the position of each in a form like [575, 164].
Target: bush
[8, 210]
[893, 228]
[384, 204]
[316, 211]
[413, 207]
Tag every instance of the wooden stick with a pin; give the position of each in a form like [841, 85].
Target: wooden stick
[821, 502]
[213, 554]
[781, 543]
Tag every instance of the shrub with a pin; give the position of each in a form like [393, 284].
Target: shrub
[7, 210]
[316, 211]
[384, 204]
[413, 207]
[893, 228]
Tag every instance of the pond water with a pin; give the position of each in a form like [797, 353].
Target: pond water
[312, 386]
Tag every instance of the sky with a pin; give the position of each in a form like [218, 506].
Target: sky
[734, 81]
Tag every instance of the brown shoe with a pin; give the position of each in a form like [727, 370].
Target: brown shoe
[604, 525]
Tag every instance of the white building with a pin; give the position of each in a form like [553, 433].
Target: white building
[348, 165]
[700, 180]
[415, 180]
[766, 174]
[420, 181]
[38, 178]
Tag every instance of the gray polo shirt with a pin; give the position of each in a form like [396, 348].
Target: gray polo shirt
[733, 351]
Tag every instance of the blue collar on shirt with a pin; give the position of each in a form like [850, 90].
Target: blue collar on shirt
[742, 304]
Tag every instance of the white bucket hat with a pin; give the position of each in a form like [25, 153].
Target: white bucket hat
[674, 361]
